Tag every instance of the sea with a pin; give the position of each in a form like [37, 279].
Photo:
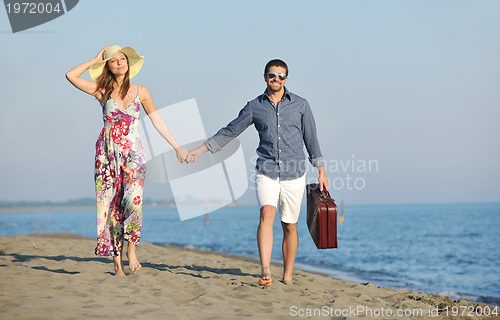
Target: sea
[444, 249]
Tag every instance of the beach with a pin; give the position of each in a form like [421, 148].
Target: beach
[57, 276]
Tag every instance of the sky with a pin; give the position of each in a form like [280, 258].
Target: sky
[406, 94]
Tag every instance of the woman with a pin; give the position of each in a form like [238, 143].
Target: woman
[120, 164]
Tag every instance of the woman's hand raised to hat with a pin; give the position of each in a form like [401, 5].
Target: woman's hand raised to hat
[75, 75]
[100, 55]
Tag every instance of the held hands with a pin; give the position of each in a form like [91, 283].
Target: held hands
[185, 156]
[193, 155]
[181, 154]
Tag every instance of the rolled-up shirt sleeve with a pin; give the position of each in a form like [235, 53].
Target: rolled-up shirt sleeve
[231, 131]
[310, 137]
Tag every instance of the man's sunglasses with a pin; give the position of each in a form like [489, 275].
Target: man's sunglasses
[271, 75]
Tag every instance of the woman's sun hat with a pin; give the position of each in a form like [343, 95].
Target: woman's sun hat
[135, 61]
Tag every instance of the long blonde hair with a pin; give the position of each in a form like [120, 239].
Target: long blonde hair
[105, 84]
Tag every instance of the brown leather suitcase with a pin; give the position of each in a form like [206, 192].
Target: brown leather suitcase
[321, 217]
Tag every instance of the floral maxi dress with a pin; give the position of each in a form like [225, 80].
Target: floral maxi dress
[120, 170]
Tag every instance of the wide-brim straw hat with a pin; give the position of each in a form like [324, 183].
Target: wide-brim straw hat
[135, 61]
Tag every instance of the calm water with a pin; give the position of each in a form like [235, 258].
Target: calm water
[439, 249]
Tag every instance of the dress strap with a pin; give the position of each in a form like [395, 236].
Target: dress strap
[137, 94]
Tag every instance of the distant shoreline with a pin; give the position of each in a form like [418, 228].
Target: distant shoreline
[90, 205]
[58, 208]
[43, 208]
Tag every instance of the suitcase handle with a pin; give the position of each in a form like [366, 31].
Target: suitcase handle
[324, 196]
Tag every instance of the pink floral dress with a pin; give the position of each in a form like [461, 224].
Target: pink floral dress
[120, 170]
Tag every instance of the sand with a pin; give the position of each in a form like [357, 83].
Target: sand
[58, 277]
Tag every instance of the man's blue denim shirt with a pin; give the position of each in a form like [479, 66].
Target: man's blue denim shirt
[283, 133]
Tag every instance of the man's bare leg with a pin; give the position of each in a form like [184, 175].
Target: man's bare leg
[265, 242]
[289, 247]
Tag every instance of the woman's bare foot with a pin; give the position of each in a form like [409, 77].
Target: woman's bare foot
[118, 262]
[133, 263]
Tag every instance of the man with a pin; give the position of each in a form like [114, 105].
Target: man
[285, 124]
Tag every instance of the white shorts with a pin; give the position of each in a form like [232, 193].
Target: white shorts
[289, 193]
